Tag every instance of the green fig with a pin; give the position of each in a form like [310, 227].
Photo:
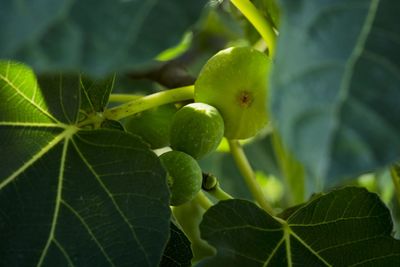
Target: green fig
[235, 81]
[184, 176]
[196, 129]
[153, 125]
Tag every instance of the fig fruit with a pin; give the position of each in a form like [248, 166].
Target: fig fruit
[235, 82]
[153, 125]
[184, 176]
[196, 129]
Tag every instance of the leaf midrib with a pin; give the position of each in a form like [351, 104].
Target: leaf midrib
[13, 86]
[31, 124]
[37, 156]
[347, 78]
[57, 202]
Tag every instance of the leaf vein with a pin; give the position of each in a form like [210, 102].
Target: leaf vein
[344, 88]
[338, 220]
[13, 86]
[309, 248]
[375, 258]
[109, 194]
[348, 243]
[64, 252]
[274, 251]
[34, 158]
[57, 203]
[86, 226]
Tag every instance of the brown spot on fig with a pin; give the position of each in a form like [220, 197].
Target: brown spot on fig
[245, 99]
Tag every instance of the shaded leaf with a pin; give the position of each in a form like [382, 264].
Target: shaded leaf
[67, 193]
[62, 95]
[93, 36]
[336, 82]
[110, 124]
[346, 227]
[95, 93]
[23, 22]
[178, 252]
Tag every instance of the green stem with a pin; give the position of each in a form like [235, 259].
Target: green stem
[261, 24]
[248, 174]
[203, 200]
[150, 101]
[93, 120]
[211, 185]
[189, 216]
[219, 193]
[123, 97]
[260, 45]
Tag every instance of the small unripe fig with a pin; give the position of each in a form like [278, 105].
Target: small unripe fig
[235, 82]
[183, 174]
[196, 129]
[153, 125]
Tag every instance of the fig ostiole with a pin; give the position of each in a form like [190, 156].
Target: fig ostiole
[196, 129]
[184, 176]
[235, 82]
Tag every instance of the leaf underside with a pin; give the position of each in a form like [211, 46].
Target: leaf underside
[336, 84]
[346, 227]
[71, 197]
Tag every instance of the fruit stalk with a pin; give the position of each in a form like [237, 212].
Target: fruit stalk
[261, 24]
[189, 216]
[211, 186]
[203, 201]
[248, 174]
[150, 101]
[219, 194]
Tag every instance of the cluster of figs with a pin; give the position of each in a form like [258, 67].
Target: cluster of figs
[229, 101]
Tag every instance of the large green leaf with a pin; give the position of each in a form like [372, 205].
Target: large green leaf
[346, 227]
[94, 36]
[336, 83]
[177, 253]
[23, 22]
[71, 197]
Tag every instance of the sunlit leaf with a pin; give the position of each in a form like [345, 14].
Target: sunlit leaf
[71, 197]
